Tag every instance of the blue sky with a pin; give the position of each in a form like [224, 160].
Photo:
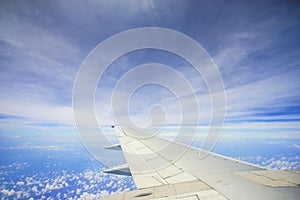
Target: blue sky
[254, 44]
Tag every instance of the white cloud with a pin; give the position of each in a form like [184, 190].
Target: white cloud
[297, 146]
[275, 162]
[8, 192]
[35, 113]
[78, 190]
[20, 183]
[50, 148]
[86, 184]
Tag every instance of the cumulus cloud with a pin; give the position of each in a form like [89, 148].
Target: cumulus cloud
[275, 162]
[20, 183]
[88, 184]
[8, 193]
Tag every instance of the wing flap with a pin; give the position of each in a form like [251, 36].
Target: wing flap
[187, 190]
[273, 178]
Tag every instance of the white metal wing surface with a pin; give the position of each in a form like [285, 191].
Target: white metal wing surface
[169, 170]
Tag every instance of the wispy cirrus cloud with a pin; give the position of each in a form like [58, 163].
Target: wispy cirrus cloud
[42, 47]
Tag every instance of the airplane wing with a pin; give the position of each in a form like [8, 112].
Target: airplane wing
[170, 170]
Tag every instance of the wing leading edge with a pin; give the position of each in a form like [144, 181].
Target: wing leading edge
[162, 169]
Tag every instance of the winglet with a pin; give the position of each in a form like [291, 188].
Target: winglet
[119, 170]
